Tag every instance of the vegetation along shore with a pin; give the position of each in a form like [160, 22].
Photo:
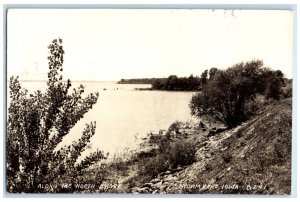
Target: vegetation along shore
[240, 144]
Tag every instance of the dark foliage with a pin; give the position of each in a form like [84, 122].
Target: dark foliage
[181, 153]
[204, 77]
[274, 83]
[169, 156]
[228, 96]
[174, 83]
[39, 122]
[212, 73]
[287, 90]
[137, 81]
[150, 168]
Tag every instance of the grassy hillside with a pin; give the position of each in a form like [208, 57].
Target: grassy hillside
[253, 158]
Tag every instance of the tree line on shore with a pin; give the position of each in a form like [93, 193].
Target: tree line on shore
[137, 81]
[175, 83]
[191, 83]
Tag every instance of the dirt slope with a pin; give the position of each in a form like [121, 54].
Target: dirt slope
[253, 158]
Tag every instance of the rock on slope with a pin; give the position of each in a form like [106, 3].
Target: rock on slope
[253, 158]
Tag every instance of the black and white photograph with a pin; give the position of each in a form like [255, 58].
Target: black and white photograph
[144, 101]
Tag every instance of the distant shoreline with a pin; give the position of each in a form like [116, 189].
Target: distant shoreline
[152, 89]
[138, 81]
[75, 81]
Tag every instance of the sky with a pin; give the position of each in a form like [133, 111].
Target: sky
[111, 44]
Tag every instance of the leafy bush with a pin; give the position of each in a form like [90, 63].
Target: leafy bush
[172, 155]
[227, 95]
[151, 167]
[38, 123]
[181, 154]
[273, 85]
[121, 161]
[174, 127]
[287, 90]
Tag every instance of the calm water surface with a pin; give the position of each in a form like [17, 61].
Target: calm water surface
[124, 115]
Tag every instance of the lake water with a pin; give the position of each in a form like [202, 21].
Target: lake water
[124, 115]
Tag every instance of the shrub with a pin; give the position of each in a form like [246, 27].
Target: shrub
[174, 127]
[287, 90]
[38, 123]
[181, 154]
[173, 154]
[227, 95]
[274, 83]
[151, 167]
[120, 161]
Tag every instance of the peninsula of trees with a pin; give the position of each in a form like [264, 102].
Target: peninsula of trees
[136, 81]
[175, 83]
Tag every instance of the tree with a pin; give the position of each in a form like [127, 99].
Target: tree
[172, 82]
[158, 84]
[226, 95]
[193, 83]
[38, 123]
[204, 77]
[274, 83]
[212, 72]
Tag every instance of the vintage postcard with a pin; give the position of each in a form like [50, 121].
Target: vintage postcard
[149, 101]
